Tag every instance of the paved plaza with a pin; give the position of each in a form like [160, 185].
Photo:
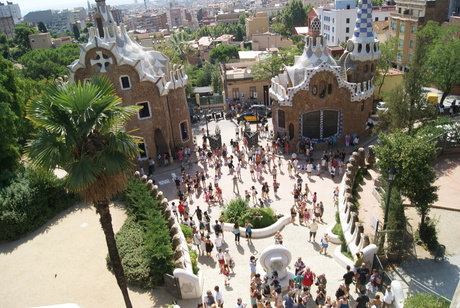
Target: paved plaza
[64, 261]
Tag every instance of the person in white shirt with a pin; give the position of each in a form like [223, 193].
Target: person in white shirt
[218, 242]
[219, 298]
[389, 298]
[240, 304]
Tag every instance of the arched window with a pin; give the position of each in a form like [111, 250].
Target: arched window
[281, 119]
[184, 131]
[329, 88]
[314, 90]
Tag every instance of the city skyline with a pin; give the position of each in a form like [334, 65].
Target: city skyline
[30, 6]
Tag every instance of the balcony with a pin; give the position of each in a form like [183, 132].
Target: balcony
[406, 17]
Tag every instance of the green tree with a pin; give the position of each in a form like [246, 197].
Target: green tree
[388, 49]
[180, 44]
[47, 63]
[81, 131]
[443, 57]
[10, 115]
[223, 53]
[273, 64]
[294, 15]
[412, 157]
[76, 32]
[42, 27]
[21, 38]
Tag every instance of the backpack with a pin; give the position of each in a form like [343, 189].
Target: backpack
[266, 289]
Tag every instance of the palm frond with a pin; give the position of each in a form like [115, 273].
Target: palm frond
[82, 173]
[48, 150]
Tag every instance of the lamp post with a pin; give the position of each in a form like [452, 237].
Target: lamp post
[391, 178]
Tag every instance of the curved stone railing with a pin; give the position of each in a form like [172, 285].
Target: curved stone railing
[191, 285]
[263, 232]
[353, 230]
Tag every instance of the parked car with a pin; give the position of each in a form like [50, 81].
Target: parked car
[250, 117]
[261, 110]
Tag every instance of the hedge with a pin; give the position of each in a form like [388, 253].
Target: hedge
[28, 199]
[156, 240]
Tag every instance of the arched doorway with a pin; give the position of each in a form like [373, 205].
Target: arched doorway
[160, 142]
[291, 131]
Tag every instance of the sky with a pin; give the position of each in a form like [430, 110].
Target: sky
[41, 5]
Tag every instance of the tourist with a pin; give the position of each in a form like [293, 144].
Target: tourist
[219, 297]
[389, 298]
[299, 265]
[313, 229]
[324, 244]
[278, 238]
[208, 300]
[248, 227]
[252, 266]
[236, 232]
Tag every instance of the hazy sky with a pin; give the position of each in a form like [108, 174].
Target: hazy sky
[40, 5]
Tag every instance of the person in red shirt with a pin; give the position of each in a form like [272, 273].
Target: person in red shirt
[308, 277]
[181, 208]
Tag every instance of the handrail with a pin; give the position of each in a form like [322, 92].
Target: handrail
[425, 289]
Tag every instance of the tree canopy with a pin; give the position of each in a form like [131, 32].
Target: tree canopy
[272, 64]
[412, 157]
[443, 56]
[224, 53]
[49, 63]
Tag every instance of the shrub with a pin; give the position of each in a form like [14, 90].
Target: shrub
[194, 259]
[235, 209]
[430, 234]
[28, 199]
[187, 231]
[423, 300]
[133, 253]
[147, 213]
[268, 217]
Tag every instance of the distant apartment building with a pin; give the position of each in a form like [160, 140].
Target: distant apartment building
[257, 24]
[147, 21]
[7, 26]
[35, 17]
[40, 41]
[117, 16]
[62, 21]
[11, 10]
[405, 21]
[228, 18]
[178, 16]
[266, 41]
[338, 21]
[317, 3]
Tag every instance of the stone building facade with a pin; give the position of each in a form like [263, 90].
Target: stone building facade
[319, 98]
[140, 77]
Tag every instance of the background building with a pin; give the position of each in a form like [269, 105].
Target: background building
[11, 10]
[257, 24]
[338, 21]
[318, 98]
[405, 21]
[140, 77]
[7, 26]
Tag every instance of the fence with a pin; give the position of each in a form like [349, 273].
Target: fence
[208, 102]
[416, 287]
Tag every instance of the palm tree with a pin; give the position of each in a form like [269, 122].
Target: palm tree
[80, 129]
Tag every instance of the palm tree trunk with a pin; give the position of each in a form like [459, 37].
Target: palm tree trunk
[102, 208]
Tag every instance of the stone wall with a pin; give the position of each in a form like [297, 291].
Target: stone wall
[353, 230]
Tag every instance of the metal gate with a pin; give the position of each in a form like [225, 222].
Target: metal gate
[172, 285]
